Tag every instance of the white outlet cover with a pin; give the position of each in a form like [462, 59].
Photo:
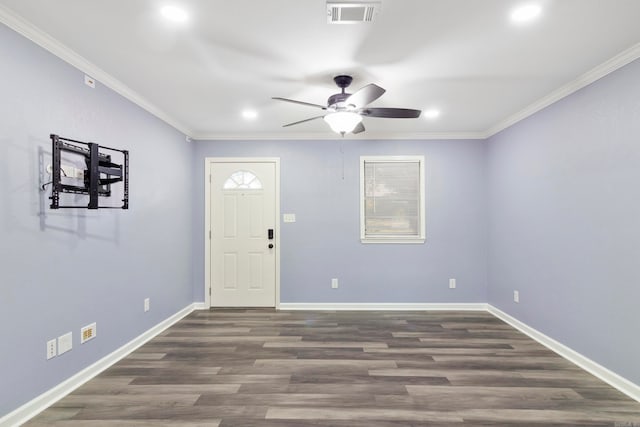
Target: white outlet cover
[452, 283]
[334, 283]
[147, 304]
[516, 296]
[93, 331]
[65, 343]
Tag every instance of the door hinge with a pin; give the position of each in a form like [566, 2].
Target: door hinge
[209, 290]
[209, 177]
[209, 234]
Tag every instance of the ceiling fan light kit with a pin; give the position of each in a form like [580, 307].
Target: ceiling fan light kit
[345, 111]
[343, 121]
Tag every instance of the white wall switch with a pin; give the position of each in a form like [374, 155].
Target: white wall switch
[51, 349]
[88, 333]
[146, 304]
[289, 217]
[65, 343]
[516, 296]
[452, 283]
[334, 283]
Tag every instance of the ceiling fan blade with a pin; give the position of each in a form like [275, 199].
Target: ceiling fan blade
[308, 104]
[302, 121]
[365, 96]
[359, 128]
[391, 113]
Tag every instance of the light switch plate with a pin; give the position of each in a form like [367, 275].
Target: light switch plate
[289, 217]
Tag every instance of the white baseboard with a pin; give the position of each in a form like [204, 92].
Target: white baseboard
[48, 398]
[335, 306]
[624, 385]
[200, 306]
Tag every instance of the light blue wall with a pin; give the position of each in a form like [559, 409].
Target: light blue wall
[61, 270]
[559, 192]
[564, 222]
[320, 184]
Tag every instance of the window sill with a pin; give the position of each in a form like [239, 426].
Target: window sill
[392, 240]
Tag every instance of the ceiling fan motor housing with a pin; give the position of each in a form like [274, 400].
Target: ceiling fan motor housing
[337, 100]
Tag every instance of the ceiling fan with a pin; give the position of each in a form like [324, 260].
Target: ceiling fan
[344, 111]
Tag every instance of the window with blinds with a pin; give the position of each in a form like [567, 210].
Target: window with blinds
[392, 199]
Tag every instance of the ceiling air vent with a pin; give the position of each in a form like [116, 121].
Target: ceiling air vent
[351, 13]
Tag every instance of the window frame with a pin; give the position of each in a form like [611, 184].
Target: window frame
[420, 237]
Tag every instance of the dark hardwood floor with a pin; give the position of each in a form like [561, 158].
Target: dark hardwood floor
[350, 369]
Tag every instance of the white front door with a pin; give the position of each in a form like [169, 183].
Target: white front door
[243, 227]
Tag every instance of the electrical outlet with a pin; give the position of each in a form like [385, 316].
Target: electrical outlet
[452, 283]
[65, 343]
[516, 296]
[146, 304]
[334, 283]
[51, 349]
[88, 333]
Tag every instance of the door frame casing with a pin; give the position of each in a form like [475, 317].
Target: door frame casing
[209, 163]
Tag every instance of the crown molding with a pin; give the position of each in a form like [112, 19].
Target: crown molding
[331, 135]
[623, 58]
[44, 40]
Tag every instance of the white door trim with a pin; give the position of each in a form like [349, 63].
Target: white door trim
[208, 162]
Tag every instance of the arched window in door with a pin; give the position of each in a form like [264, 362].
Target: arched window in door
[242, 180]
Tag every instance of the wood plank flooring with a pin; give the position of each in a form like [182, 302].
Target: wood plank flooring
[377, 369]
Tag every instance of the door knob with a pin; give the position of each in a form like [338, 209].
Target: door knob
[270, 245]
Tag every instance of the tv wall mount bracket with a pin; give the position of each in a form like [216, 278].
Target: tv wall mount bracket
[99, 174]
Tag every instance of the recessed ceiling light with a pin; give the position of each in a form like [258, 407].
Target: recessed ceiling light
[526, 13]
[249, 114]
[431, 113]
[174, 13]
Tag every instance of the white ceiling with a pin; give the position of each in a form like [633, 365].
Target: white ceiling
[463, 57]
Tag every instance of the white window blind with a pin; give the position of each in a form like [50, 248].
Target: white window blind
[392, 199]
